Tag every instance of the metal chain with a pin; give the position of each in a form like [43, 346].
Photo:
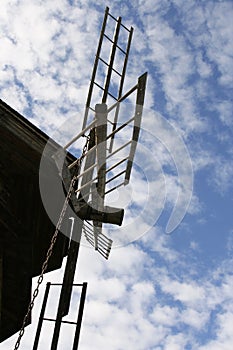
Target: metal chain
[50, 250]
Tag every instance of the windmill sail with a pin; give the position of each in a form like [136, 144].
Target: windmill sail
[112, 130]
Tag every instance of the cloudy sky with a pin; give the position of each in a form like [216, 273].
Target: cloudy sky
[169, 285]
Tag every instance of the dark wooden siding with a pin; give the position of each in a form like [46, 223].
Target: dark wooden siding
[25, 228]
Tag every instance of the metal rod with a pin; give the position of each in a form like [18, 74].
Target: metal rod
[122, 98]
[107, 37]
[99, 86]
[86, 171]
[91, 231]
[105, 249]
[119, 149]
[102, 242]
[115, 165]
[80, 134]
[110, 15]
[53, 320]
[108, 93]
[114, 188]
[60, 284]
[116, 176]
[125, 27]
[92, 109]
[86, 184]
[80, 316]
[121, 127]
[114, 70]
[121, 49]
[104, 253]
[105, 240]
[76, 161]
[42, 312]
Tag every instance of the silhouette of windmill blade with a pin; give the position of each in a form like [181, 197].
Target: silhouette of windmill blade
[100, 162]
[104, 243]
[101, 173]
[114, 47]
[135, 122]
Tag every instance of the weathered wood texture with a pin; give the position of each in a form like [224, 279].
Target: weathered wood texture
[25, 228]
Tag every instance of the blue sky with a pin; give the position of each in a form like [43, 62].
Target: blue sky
[160, 292]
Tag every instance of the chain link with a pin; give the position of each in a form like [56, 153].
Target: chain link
[50, 250]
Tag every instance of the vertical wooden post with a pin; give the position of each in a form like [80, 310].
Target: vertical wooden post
[66, 291]
[80, 316]
[37, 337]
[101, 135]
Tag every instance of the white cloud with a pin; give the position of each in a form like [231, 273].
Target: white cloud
[165, 315]
[194, 319]
[225, 110]
[220, 48]
[223, 339]
[188, 293]
[175, 342]
[204, 68]
[156, 241]
[222, 179]
[113, 288]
